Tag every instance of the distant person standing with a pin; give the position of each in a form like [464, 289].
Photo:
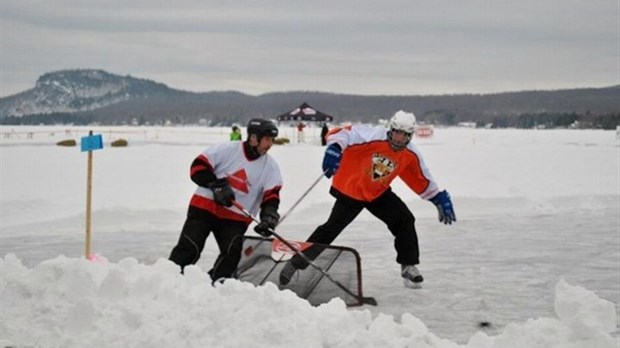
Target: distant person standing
[324, 132]
[235, 135]
[224, 173]
[300, 132]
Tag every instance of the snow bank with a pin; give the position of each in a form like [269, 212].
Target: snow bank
[70, 302]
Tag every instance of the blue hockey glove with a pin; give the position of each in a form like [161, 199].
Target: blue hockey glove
[331, 161]
[444, 207]
[269, 219]
[222, 192]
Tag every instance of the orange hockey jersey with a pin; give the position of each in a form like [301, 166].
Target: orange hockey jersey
[369, 165]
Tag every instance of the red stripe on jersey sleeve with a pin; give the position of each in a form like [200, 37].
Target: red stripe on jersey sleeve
[271, 194]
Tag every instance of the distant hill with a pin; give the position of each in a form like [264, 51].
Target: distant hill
[95, 96]
[79, 90]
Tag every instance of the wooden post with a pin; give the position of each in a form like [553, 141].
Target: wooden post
[89, 190]
[90, 143]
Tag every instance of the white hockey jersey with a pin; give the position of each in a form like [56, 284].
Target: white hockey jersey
[252, 181]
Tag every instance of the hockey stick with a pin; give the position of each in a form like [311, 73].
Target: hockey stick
[301, 198]
[363, 300]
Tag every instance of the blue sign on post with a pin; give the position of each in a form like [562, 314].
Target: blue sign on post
[92, 142]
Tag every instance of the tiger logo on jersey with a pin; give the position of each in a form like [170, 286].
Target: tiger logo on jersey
[381, 167]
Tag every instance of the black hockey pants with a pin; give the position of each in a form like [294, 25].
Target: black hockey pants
[228, 235]
[388, 208]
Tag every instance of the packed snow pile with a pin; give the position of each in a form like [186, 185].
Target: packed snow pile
[73, 302]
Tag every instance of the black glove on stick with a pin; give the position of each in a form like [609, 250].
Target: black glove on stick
[269, 219]
[222, 192]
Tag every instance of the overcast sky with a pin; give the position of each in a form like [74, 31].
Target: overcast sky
[354, 46]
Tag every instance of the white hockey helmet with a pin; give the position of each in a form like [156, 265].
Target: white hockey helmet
[402, 121]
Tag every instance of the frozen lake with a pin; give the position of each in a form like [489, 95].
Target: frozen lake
[533, 207]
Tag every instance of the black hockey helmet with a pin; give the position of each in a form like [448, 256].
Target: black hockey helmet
[261, 127]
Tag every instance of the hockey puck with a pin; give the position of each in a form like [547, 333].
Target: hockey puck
[484, 324]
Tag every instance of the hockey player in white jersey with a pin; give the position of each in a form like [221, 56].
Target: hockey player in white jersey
[231, 171]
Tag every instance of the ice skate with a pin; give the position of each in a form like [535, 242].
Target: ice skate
[411, 276]
[287, 273]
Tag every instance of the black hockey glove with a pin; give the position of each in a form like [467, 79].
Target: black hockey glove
[269, 219]
[222, 192]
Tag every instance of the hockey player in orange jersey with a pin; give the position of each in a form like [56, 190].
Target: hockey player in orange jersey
[363, 162]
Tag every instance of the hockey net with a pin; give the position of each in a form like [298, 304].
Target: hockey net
[263, 259]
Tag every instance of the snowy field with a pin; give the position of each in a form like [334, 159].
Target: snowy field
[535, 251]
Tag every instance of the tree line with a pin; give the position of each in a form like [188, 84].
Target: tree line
[446, 118]
[587, 108]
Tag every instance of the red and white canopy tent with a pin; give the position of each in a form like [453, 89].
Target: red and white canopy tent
[305, 113]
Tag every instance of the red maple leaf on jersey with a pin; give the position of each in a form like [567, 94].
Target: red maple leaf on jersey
[239, 181]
